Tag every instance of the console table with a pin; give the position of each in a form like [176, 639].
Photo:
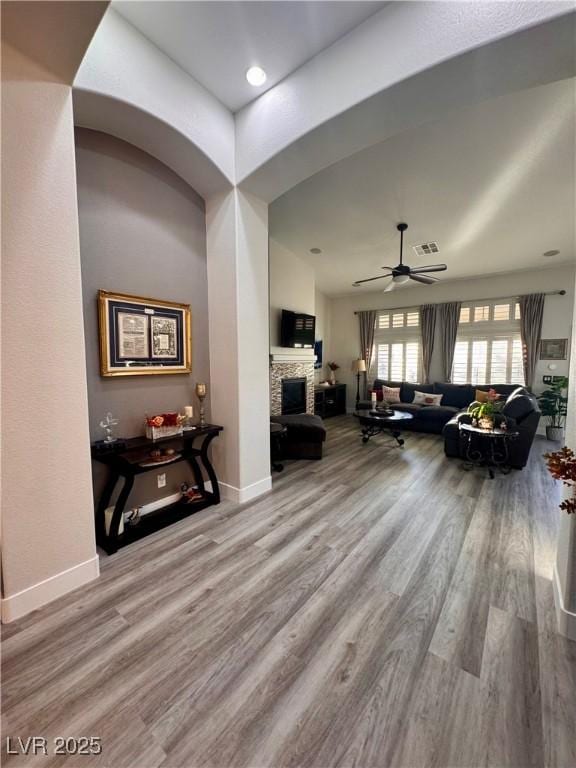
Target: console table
[125, 461]
[330, 401]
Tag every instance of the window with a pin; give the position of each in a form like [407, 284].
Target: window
[488, 347]
[397, 346]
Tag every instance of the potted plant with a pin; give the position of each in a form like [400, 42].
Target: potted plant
[562, 466]
[333, 368]
[553, 404]
[485, 415]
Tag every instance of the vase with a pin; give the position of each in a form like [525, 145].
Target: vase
[332, 378]
[486, 422]
[555, 433]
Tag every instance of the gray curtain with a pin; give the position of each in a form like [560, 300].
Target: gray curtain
[427, 330]
[449, 319]
[367, 322]
[531, 311]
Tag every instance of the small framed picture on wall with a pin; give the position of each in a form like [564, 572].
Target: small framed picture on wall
[141, 336]
[553, 349]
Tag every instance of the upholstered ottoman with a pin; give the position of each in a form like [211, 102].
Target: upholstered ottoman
[305, 435]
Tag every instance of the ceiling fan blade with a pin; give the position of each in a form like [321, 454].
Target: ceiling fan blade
[369, 280]
[390, 268]
[428, 268]
[425, 280]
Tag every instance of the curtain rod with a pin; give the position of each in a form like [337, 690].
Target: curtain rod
[464, 301]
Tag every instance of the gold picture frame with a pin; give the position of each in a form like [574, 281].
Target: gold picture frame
[140, 336]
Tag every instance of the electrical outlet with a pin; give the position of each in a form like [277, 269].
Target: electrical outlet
[162, 480]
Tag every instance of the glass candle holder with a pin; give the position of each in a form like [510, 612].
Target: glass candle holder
[201, 395]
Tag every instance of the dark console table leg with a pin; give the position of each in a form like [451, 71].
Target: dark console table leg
[103, 504]
[209, 468]
[197, 472]
[112, 538]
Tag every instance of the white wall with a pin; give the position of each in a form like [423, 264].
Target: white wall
[347, 97]
[556, 323]
[127, 87]
[292, 287]
[323, 312]
[565, 568]
[48, 526]
[237, 251]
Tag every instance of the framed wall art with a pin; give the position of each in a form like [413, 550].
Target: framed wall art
[553, 349]
[141, 336]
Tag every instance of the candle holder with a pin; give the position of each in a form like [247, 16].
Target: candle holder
[201, 395]
[187, 422]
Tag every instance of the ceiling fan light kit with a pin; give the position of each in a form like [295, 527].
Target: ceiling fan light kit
[402, 273]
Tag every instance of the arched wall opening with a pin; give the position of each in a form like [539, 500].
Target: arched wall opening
[142, 232]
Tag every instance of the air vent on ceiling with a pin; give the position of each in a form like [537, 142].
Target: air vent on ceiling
[426, 249]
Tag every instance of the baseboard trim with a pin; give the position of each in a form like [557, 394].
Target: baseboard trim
[165, 501]
[249, 492]
[18, 605]
[566, 619]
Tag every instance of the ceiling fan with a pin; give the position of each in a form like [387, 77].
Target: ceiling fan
[402, 273]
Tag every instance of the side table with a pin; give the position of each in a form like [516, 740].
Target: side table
[486, 448]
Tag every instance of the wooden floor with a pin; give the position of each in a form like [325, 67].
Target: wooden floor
[379, 608]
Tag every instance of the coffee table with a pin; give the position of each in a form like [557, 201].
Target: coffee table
[375, 423]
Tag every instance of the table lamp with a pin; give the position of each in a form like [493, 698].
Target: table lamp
[358, 367]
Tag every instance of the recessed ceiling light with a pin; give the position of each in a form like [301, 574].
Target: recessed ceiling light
[315, 250]
[256, 76]
[548, 254]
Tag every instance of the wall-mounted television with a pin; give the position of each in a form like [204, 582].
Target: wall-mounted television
[297, 330]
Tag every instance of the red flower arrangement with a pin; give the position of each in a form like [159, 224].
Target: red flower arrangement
[164, 420]
[562, 466]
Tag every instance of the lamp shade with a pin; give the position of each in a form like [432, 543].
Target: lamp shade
[359, 366]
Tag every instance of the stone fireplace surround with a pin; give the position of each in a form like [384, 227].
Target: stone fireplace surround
[286, 363]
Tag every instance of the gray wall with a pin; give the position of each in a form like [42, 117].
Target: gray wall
[142, 231]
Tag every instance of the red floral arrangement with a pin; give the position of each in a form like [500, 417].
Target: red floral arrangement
[164, 420]
[562, 466]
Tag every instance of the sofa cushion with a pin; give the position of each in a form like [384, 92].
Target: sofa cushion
[427, 398]
[483, 396]
[437, 413]
[519, 404]
[501, 389]
[456, 395]
[407, 391]
[391, 395]
[412, 408]
[379, 383]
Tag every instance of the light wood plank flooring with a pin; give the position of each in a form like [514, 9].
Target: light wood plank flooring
[379, 608]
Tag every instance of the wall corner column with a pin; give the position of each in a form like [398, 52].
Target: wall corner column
[565, 566]
[237, 251]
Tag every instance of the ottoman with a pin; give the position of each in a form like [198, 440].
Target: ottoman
[305, 434]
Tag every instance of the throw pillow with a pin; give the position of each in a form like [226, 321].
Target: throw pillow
[482, 397]
[379, 395]
[425, 398]
[391, 395]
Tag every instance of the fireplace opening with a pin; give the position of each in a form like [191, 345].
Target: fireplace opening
[293, 396]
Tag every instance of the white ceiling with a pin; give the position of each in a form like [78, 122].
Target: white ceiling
[216, 42]
[492, 184]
